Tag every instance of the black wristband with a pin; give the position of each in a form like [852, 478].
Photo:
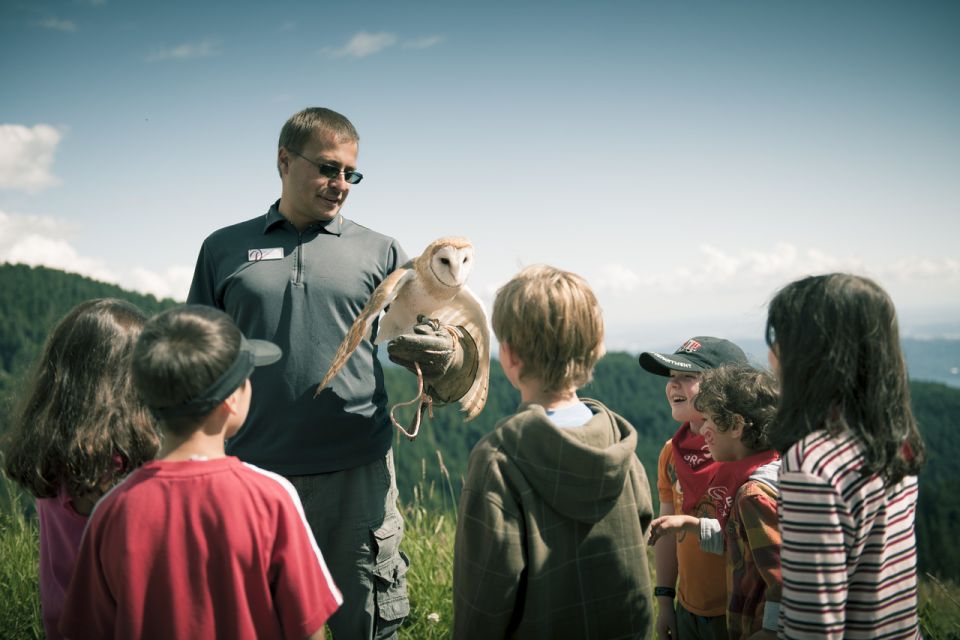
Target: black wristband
[668, 592]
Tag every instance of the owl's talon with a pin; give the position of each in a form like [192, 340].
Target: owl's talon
[433, 322]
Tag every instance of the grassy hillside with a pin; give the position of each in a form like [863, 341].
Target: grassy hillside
[428, 542]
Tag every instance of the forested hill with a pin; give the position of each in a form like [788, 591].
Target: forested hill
[32, 300]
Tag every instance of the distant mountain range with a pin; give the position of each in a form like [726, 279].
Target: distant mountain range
[933, 360]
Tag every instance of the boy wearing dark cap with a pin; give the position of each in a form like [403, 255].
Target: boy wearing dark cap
[197, 544]
[697, 579]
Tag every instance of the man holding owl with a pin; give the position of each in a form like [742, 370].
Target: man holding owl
[299, 275]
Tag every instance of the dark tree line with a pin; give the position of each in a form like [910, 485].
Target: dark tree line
[622, 385]
[33, 299]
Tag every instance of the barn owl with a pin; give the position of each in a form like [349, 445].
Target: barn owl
[432, 284]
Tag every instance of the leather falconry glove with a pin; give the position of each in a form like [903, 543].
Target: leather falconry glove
[447, 356]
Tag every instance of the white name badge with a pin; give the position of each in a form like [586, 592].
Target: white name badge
[256, 255]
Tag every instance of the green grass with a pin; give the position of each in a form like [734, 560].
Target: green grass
[428, 541]
[19, 555]
[939, 608]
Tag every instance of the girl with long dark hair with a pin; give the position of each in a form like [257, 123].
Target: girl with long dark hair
[851, 454]
[79, 429]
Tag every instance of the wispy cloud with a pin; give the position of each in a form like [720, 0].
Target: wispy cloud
[55, 24]
[945, 270]
[364, 44]
[713, 267]
[723, 293]
[26, 154]
[206, 48]
[423, 43]
[749, 270]
[617, 279]
[45, 240]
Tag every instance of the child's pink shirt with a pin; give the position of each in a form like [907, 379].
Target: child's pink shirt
[61, 529]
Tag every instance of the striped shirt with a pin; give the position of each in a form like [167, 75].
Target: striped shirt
[849, 550]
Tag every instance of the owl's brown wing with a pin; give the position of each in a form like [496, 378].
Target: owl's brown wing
[382, 296]
[466, 310]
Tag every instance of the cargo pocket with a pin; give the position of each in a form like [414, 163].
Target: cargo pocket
[390, 576]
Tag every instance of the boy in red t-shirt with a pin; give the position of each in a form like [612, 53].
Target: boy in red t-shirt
[198, 544]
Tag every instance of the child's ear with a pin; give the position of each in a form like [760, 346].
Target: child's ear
[737, 426]
[506, 353]
[232, 403]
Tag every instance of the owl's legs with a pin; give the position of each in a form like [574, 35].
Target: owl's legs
[433, 323]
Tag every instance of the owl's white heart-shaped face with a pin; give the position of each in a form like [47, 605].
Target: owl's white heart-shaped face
[452, 265]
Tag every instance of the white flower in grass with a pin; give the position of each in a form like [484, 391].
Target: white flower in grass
[434, 617]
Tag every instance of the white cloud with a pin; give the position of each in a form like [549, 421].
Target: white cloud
[364, 44]
[26, 154]
[617, 279]
[44, 240]
[714, 269]
[934, 269]
[205, 48]
[727, 293]
[424, 42]
[55, 24]
[172, 282]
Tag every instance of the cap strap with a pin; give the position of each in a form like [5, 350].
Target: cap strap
[228, 382]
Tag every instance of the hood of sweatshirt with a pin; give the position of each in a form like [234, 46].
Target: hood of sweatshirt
[579, 471]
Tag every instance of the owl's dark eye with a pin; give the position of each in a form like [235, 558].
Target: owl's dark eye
[445, 260]
[465, 258]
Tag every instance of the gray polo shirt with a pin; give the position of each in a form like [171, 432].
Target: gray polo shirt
[303, 292]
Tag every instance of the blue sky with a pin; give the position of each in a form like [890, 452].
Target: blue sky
[686, 158]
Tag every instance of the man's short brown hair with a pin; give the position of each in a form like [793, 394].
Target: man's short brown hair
[315, 121]
[301, 127]
[552, 322]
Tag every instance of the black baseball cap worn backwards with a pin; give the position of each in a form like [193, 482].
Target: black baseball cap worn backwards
[696, 354]
[251, 354]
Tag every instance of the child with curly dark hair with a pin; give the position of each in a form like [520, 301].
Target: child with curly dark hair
[80, 428]
[738, 403]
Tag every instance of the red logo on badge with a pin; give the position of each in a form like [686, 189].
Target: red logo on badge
[690, 346]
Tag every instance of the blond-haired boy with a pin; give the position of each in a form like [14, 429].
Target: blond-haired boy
[556, 506]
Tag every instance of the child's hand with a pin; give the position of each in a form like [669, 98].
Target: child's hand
[672, 524]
